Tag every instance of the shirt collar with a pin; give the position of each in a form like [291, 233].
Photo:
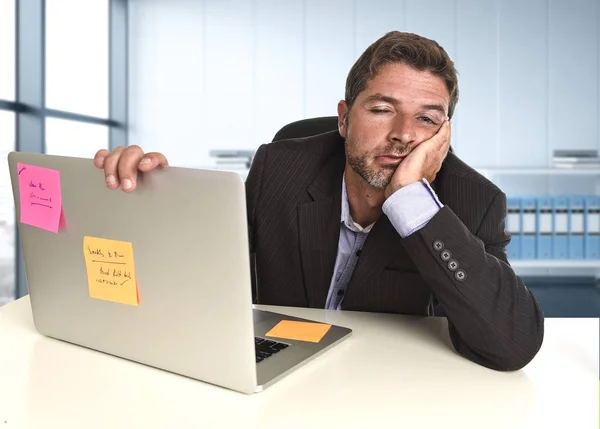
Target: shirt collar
[346, 218]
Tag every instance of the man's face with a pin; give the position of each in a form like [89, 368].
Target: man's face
[399, 109]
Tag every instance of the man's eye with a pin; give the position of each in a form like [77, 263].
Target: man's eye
[375, 110]
[427, 120]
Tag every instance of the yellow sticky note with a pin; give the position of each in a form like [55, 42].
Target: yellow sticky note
[110, 270]
[302, 331]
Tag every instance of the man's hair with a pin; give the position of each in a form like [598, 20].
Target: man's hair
[411, 49]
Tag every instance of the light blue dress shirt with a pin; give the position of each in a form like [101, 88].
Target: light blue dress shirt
[408, 209]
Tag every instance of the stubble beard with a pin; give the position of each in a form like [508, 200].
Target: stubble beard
[377, 178]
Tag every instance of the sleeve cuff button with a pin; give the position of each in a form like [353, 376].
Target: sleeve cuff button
[460, 275]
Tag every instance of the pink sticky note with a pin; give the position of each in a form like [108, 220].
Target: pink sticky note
[40, 196]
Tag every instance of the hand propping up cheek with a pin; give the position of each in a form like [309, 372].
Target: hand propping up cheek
[424, 161]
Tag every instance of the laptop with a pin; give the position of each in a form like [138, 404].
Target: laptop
[178, 295]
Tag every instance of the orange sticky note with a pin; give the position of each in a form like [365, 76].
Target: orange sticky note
[302, 331]
[40, 197]
[110, 270]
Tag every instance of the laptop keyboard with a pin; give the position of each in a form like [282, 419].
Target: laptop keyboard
[265, 348]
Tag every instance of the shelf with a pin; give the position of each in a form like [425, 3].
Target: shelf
[539, 171]
[555, 263]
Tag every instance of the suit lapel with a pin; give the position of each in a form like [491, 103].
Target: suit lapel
[381, 246]
[319, 230]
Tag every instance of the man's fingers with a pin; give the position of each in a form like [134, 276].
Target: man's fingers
[151, 160]
[100, 157]
[111, 161]
[122, 164]
[128, 166]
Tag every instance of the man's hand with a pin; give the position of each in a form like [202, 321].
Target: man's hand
[122, 164]
[423, 162]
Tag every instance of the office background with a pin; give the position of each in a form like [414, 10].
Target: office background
[190, 76]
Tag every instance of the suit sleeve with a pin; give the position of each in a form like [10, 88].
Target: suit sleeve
[253, 188]
[493, 319]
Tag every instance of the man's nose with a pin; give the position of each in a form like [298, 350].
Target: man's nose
[403, 130]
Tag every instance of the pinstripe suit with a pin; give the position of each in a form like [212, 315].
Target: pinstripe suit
[294, 204]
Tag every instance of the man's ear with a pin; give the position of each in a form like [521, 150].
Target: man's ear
[342, 109]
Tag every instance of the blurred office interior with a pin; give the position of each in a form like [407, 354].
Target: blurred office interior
[195, 78]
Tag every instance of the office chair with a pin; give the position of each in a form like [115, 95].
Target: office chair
[310, 127]
[307, 128]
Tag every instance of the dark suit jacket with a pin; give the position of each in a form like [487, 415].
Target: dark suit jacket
[294, 208]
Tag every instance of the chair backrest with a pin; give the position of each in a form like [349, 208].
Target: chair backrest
[307, 128]
[310, 127]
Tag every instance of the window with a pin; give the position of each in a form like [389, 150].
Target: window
[70, 53]
[77, 50]
[7, 210]
[79, 139]
[7, 49]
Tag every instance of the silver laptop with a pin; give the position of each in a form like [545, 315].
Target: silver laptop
[188, 234]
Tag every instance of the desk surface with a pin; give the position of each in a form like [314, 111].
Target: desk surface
[395, 371]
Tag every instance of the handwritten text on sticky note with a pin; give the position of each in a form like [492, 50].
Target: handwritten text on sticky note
[110, 270]
[302, 331]
[40, 196]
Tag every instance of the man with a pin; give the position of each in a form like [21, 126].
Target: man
[380, 215]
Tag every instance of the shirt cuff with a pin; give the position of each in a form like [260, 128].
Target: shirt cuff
[411, 207]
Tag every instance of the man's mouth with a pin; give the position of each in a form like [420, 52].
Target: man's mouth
[390, 159]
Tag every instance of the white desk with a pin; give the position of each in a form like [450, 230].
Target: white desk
[393, 372]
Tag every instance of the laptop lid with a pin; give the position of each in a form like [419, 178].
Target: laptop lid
[182, 234]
